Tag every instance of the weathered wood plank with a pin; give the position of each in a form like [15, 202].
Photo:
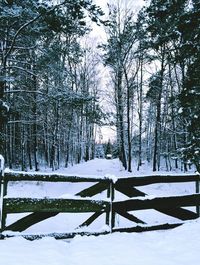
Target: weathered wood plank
[12, 176]
[180, 213]
[23, 205]
[135, 181]
[158, 203]
[136, 229]
[29, 220]
[197, 186]
[148, 180]
[112, 212]
[3, 213]
[129, 190]
[130, 217]
[93, 190]
[91, 219]
[108, 213]
[1, 182]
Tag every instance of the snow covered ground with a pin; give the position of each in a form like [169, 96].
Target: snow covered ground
[179, 246]
[172, 247]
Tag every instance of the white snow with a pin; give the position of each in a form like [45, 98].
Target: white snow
[179, 246]
[2, 161]
[6, 106]
[180, 111]
[175, 247]
[113, 177]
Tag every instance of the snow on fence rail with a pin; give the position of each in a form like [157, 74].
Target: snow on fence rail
[13, 176]
[48, 207]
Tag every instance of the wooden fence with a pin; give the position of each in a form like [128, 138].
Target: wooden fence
[41, 209]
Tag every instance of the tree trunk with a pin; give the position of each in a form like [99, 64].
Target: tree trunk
[35, 141]
[128, 106]
[173, 118]
[157, 141]
[122, 152]
[140, 116]
[29, 148]
[2, 118]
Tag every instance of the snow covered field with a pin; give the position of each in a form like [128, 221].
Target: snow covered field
[172, 247]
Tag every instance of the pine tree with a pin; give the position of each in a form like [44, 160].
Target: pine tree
[190, 97]
[190, 111]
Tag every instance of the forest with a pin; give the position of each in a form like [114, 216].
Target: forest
[59, 86]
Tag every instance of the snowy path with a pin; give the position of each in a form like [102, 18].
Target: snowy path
[179, 246]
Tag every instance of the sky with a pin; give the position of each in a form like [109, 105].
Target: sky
[135, 4]
[103, 3]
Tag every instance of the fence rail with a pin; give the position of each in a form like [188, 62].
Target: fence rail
[41, 209]
[14, 176]
[23, 205]
[135, 181]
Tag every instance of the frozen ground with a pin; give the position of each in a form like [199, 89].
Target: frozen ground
[179, 246]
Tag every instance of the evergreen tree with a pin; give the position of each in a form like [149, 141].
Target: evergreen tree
[108, 148]
[190, 111]
[190, 97]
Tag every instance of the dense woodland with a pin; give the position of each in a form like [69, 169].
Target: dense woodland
[51, 83]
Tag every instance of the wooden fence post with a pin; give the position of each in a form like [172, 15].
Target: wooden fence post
[1, 199]
[197, 191]
[2, 166]
[108, 213]
[110, 216]
[112, 197]
[3, 213]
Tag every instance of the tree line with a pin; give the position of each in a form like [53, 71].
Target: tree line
[50, 83]
[154, 68]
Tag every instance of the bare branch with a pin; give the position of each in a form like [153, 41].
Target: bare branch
[18, 32]
[22, 69]
[23, 91]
